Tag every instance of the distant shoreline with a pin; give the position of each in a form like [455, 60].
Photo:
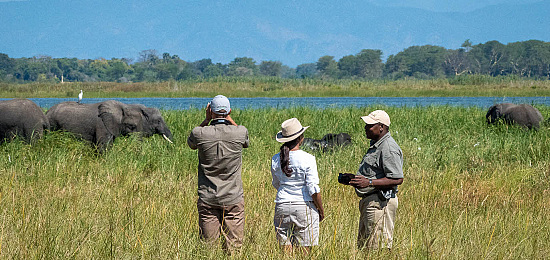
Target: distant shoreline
[278, 88]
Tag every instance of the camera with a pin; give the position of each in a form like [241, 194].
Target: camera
[345, 178]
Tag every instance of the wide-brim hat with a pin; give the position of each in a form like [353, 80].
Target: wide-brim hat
[290, 130]
[377, 116]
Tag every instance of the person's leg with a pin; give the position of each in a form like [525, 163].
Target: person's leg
[209, 221]
[371, 223]
[389, 222]
[233, 225]
[283, 227]
[306, 220]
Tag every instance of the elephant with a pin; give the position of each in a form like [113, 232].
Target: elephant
[100, 123]
[21, 117]
[328, 141]
[524, 115]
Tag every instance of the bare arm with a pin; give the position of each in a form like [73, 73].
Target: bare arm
[361, 182]
[319, 205]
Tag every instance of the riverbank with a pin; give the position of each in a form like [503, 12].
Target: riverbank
[470, 191]
[276, 87]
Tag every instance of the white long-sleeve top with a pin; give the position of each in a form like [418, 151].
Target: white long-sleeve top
[303, 182]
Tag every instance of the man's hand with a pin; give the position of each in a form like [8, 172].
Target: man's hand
[228, 118]
[208, 112]
[359, 181]
[208, 116]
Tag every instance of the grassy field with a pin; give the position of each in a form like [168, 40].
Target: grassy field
[470, 191]
[276, 87]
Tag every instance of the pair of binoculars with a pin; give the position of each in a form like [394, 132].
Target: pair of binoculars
[345, 178]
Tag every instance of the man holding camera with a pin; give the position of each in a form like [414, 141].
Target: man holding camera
[220, 141]
[380, 171]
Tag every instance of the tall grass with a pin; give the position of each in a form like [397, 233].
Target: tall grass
[472, 85]
[471, 191]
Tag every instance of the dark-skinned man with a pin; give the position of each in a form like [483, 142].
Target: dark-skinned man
[379, 174]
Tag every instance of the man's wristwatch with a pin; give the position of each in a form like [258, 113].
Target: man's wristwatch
[370, 182]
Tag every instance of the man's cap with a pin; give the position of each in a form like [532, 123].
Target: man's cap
[377, 116]
[290, 130]
[219, 103]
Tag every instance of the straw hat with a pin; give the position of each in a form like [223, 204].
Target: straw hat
[290, 130]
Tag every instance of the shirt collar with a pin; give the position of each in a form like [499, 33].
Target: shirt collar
[376, 144]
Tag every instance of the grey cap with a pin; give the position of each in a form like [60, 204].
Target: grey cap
[219, 103]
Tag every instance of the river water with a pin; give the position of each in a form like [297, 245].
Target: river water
[315, 102]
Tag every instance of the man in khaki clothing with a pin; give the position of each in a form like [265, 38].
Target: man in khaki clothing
[220, 141]
[380, 171]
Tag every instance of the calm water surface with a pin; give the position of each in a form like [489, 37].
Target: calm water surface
[316, 102]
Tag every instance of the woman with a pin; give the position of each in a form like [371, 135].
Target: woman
[298, 208]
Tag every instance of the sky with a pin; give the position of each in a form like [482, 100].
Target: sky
[293, 32]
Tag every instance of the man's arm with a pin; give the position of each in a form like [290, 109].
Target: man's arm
[191, 141]
[360, 181]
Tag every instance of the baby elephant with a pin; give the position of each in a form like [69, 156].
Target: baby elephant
[23, 118]
[523, 114]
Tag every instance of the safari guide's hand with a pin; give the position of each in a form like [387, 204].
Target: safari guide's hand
[359, 181]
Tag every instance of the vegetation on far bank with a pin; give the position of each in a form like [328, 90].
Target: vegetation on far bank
[471, 85]
[527, 59]
[471, 191]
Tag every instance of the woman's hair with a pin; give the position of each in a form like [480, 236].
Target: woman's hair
[285, 156]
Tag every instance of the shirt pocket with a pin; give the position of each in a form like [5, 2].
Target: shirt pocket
[372, 160]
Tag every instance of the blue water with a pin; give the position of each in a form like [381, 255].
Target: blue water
[316, 102]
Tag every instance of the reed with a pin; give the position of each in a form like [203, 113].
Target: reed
[473, 85]
[471, 191]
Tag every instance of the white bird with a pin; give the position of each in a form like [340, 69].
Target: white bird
[80, 96]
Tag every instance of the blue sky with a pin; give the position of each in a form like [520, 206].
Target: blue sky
[293, 32]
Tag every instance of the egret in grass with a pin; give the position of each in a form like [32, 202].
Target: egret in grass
[80, 96]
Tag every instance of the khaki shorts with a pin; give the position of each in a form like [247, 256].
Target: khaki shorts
[297, 223]
[227, 220]
[376, 222]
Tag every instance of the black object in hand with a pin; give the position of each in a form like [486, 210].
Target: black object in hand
[345, 178]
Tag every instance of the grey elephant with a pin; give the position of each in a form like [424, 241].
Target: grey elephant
[101, 123]
[21, 117]
[523, 114]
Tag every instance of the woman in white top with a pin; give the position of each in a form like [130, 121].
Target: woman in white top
[298, 208]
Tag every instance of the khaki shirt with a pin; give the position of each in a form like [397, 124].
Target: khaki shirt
[383, 159]
[220, 158]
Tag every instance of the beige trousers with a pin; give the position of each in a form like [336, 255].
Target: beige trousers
[227, 220]
[376, 222]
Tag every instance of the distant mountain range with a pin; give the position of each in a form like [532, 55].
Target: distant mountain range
[294, 33]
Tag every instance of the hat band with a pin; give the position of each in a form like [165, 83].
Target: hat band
[287, 136]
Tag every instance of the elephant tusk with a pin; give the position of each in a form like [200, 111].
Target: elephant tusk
[165, 137]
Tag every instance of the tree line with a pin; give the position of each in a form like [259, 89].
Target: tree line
[529, 59]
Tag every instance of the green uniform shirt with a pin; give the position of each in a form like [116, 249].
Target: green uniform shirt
[220, 158]
[383, 159]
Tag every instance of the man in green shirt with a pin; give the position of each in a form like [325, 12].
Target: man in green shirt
[380, 171]
[220, 141]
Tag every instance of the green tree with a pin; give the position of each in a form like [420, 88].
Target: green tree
[417, 61]
[7, 66]
[271, 68]
[242, 66]
[327, 67]
[306, 70]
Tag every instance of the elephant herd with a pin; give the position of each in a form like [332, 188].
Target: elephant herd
[101, 123]
[98, 123]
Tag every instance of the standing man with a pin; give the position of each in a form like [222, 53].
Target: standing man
[221, 203]
[380, 171]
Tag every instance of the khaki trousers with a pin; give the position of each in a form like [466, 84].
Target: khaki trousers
[376, 222]
[227, 220]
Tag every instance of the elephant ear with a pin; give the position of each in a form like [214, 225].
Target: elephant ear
[493, 114]
[111, 114]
